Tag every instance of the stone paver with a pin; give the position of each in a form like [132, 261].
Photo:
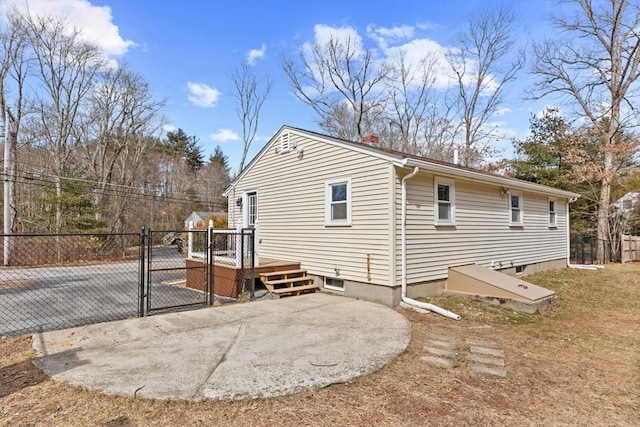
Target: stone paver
[487, 360]
[444, 362]
[486, 350]
[481, 356]
[481, 343]
[441, 352]
[485, 369]
[442, 344]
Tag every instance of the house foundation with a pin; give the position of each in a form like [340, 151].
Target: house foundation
[391, 295]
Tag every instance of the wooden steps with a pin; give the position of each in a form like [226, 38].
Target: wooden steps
[288, 283]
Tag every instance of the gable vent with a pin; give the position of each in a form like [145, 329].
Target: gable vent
[285, 143]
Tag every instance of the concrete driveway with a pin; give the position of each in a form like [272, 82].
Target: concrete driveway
[260, 349]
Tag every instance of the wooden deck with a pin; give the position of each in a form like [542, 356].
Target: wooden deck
[228, 280]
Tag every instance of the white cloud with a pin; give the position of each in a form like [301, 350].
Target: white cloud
[502, 111]
[429, 26]
[256, 54]
[385, 36]
[224, 135]
[324, 34]
[95, 22]
[203, 95]
[169, 128]
[417, 50]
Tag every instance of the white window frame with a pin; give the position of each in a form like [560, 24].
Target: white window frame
[552, 214]
[333, 288]
[452, 201]
[328, 185]
[245, 208]
[520, 208]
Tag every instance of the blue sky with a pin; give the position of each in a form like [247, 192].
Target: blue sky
[186, 50]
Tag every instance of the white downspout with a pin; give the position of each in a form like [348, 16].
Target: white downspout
[569, 265]
[409, 301]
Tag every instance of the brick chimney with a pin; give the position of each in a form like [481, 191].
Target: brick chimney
[371, 138]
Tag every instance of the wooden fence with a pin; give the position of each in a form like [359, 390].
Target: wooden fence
[630, 248]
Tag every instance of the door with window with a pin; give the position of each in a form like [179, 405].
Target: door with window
[252, 209]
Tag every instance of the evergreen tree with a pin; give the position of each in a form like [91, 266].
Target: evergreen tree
[180, 144]
[547, 157]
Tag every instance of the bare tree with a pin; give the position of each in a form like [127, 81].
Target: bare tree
[66, 69]
[250, 94]
[14, 68]
[343, 85]
[123, 117]
[596, 69]
[483, 66]
[410, 88]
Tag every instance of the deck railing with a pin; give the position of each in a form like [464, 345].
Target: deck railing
[228, 246]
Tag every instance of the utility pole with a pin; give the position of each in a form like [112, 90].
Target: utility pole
[7, 190]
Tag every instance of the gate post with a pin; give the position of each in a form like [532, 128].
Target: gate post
[210, 265]
[141, 285]
[253, 263]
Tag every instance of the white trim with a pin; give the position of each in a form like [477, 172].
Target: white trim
[245, 207]
[328, 201]
[452, 201]
[285, 142]
[520, 208]
[333, 288]
[554, 223]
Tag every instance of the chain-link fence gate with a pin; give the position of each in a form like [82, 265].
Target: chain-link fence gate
[56, 281]
[173, 281]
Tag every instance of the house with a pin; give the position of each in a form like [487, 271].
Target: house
[357, 216]
[200, 217]
[627, 202]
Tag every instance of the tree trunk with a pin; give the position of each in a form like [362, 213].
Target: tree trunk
[602, 230]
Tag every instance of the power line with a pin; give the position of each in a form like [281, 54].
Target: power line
[110, 188]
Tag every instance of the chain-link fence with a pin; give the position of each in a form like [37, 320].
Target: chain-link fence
[50, 282]
[57, 281]
[584, 249]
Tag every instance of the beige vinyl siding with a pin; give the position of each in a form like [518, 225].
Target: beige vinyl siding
[291, 209]
[481, 234]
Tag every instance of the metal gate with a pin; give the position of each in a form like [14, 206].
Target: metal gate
[173, 282]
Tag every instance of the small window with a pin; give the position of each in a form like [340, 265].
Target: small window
[335, 284]
[520, 270]
[338, 202]
[515, 205]
[444, 207]
[553, 206]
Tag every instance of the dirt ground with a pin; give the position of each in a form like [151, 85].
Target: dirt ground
[576, 365]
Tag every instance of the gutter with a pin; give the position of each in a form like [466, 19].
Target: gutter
[454, 171]
[405, 300]
[569, 265]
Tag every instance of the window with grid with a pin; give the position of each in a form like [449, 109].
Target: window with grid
[444, 202]
[338, 202]
[552, 213]
[515, 200]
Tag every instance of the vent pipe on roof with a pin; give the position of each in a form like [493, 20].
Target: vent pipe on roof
[455, 156]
